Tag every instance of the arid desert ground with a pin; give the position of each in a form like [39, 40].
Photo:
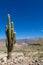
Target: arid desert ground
[23, 53]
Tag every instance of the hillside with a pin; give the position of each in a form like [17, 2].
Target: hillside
[24, 45]
[39, 41]
[28, 40]
[19, 41]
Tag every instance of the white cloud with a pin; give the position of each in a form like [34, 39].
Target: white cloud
[41, 30]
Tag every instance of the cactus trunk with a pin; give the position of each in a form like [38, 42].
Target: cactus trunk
[9, 28]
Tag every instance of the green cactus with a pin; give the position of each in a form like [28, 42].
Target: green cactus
[10, 36]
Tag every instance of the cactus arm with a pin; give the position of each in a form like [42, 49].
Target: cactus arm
[7, 36]
[13, 34]
[14, 37]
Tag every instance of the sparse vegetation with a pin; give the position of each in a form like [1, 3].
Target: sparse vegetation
[41, 56]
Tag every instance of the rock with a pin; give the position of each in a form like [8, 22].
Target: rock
[1, 60]
[5, 59]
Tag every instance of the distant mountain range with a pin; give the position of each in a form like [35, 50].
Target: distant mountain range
[20, 41]
[30, 40]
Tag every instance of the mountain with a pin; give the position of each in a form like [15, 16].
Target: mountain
[20, 41]
[39, 41]
[30, 40]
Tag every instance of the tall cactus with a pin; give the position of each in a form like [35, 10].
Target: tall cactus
[10, 37]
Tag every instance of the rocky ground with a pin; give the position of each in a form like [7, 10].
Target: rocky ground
[17, 59]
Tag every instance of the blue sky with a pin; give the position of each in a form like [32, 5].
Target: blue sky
[27, 16]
